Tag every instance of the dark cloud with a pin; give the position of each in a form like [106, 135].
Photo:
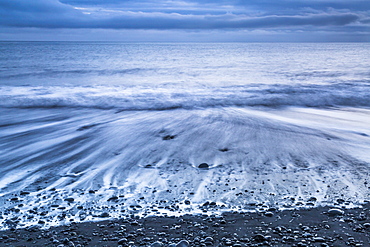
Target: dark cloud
[262, 5]
[52, 14]
[186, 14]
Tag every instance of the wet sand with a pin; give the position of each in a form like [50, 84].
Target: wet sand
[319, 226]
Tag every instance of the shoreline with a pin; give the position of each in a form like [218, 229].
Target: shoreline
[319, 226]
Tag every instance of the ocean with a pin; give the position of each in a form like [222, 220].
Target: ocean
[162, 128]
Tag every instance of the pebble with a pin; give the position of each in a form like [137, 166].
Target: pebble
[318, 239]
[203, 166]
[259, 238]
[335, 212]
[122, 241]
[104, 215]
[156, 244]
[183, 243]
[269, 214]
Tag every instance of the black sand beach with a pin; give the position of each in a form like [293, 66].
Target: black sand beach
[321, 226]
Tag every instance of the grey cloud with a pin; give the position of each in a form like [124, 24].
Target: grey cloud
[259, 4]
[53, 14]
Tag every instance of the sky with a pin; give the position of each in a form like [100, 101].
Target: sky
[186, 20]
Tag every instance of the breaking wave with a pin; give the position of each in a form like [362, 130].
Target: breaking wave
[172, 97]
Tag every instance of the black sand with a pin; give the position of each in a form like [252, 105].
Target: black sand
[321, 226]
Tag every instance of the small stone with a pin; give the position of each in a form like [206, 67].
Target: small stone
[318, 239]
[104, 215]
[183, 243]
[340, 201]
[335, 212]
[203, 166]
[168, 137]
[122, 241]
[312, 199]
[208, 240]
[70, 199]
[259, 238]
[113, 198]
[156, 244]
[269, 214]
[187, 202]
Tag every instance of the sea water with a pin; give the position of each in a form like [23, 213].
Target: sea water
[115, 125]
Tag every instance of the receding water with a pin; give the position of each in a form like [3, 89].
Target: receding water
[272, 121]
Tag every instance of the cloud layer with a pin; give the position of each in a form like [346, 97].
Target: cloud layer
[326, 15]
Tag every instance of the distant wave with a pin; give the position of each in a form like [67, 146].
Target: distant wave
[172, 97]
[53, 73]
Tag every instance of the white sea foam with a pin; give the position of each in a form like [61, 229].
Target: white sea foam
[254, 156]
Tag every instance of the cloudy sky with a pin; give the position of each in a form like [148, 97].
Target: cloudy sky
[186, 20]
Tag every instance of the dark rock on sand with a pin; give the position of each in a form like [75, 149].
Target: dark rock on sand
[168, 137]
[104, 215]
[203, 166]
[69, 199]
[113, 198]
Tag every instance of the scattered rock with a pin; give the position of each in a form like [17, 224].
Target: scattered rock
[122, 241]
[318, 239]
[113, 198]
[269, 214]
[183, 243]
[335, 212]
[203, 166]
[259, 238]
[168, 137]
[156, 244]
[104, 215]
[69, 199]
[312, 199]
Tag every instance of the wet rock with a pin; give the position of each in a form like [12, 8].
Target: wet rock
[340, 201]
[259, 238]
[122, 241]
[335, 212]
[156, 244]
[69, 199]
[269, 214]
[168, 137]
[104, 215]
[23, 193]
[312, 199]
[187, 202]
[113, 198]
[183, 243]
[318, 239]
[208, 241]
[203, 166]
